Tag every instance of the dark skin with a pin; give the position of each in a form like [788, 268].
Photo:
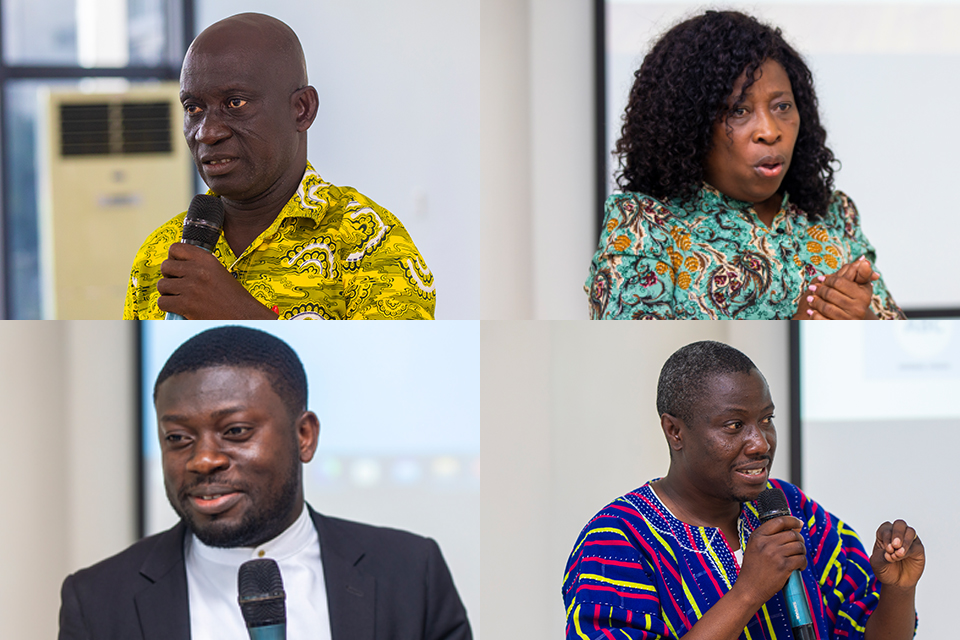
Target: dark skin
[844, 295]
[722, 458]
[749, 156]
[232, 453]
[247, 108]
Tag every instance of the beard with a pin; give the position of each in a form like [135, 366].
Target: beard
[265, 520]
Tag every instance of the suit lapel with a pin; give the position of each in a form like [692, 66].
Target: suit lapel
[163, 607]
[351, 594]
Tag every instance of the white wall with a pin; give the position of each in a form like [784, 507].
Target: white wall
[67, 460]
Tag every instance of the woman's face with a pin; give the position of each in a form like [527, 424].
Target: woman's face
[751, 149]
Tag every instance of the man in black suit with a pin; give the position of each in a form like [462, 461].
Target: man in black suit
[234, 433]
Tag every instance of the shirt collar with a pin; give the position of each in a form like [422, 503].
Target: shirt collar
[291, 541]
[711, 194]
[307, 202]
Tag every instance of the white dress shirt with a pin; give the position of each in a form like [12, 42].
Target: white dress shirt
[212, 584]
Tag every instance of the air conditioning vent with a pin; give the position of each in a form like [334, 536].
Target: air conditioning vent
[115, 128]
[85, 129]
[146, 127]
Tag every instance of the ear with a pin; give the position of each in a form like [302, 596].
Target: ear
[306, 102]
[673, 428]
[308, 435]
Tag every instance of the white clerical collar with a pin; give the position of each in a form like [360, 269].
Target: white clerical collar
[290, 542]
[212, 584]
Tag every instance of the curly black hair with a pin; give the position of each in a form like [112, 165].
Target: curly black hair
[681, 91]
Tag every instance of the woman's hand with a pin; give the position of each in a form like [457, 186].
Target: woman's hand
[844, 295]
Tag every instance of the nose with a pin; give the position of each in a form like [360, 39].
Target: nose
[758, 442]
[207, 457]
[767, 130]
[210, 129]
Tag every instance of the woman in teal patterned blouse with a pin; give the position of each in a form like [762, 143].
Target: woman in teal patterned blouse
[728, 210]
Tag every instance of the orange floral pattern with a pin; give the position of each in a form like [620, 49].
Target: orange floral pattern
[710, 257]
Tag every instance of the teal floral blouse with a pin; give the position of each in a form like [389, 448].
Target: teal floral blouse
[710, 257]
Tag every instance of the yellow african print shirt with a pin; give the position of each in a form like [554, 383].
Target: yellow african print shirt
[332, 253]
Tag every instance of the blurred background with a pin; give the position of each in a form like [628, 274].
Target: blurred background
[501, 445]
[485, 126]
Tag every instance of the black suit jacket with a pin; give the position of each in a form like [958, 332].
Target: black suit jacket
[382, 584]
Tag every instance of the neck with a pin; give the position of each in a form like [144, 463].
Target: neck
[244, 220]
[768, 209]
[691, 505]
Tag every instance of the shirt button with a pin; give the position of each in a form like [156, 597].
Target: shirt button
[261, 553]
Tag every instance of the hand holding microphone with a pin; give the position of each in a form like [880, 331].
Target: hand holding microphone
[783, 551]
[201, 228]
[774, 551]
[194, 284]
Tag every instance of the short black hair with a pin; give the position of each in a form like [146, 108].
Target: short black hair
[681, 91]
[233, 346]
[684, 376]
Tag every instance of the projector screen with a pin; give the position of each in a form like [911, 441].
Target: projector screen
[881, 430]
[884, 74]
[399, 426]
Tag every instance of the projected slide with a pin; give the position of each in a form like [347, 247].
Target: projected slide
[881, 431]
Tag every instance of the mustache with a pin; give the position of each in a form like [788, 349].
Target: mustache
[209, 483]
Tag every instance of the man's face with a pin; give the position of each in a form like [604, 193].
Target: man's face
[240, 117]
[728, 446]
[232, 454]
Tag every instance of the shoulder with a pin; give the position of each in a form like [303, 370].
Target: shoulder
[344, 204]
[379, 550]
[841, 217]
[628, 517]
[130, 560]
[800, 503]
[118, 578]
[365, 229]
[637, 208]
[386, 538]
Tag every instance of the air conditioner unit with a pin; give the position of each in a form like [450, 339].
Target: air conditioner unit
[114, 167]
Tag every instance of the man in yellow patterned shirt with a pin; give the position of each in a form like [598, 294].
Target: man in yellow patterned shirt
[292, 246]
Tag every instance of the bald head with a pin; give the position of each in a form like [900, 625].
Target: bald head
[258, 38]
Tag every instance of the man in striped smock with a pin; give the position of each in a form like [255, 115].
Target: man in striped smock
[686, 554]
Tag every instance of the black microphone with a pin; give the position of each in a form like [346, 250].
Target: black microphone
[262, 599]
[771, 503]
[201, 227]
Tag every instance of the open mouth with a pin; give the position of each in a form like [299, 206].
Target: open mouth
[218, 165]
[753, 473]
[215, 502]
[771, 170]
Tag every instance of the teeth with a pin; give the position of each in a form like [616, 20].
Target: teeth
[753, 472]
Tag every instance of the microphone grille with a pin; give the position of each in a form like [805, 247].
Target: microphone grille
[261, 593]
[203, 221]
[771, 503]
